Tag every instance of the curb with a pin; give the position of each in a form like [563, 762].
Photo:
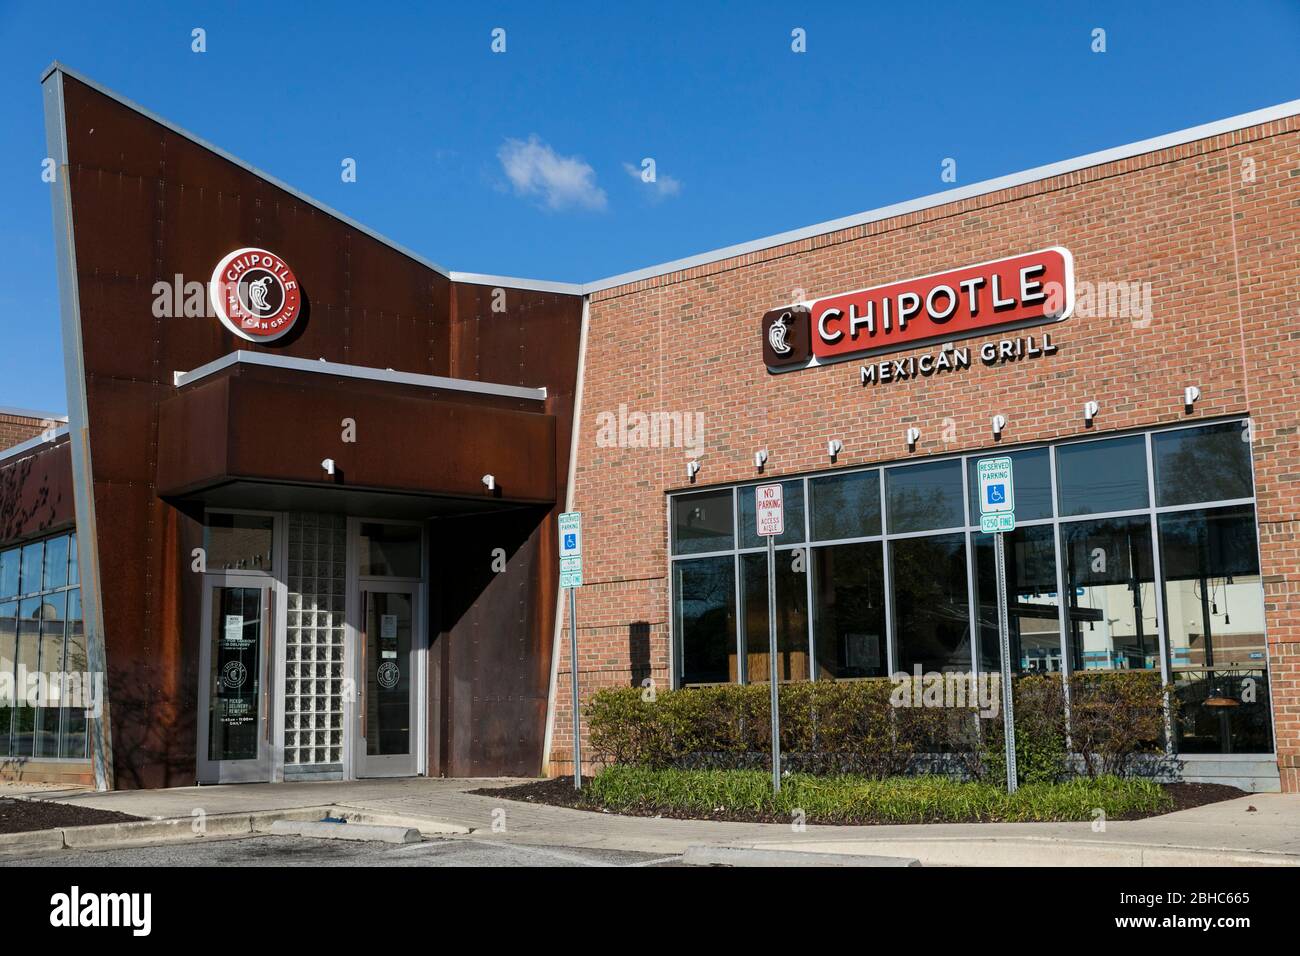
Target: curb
[107, 836]
[345, 831]
[736, 856]
[1042, 853]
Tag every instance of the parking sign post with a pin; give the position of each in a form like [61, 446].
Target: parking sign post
[769, 520]
[571, 579]
[998, 516]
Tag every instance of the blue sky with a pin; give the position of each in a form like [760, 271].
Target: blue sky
[518, 163]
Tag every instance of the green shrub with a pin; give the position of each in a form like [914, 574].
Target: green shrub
[856, 799]
[856, 727]
[1117, 716]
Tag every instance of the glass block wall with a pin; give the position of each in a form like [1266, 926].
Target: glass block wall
[313, 693]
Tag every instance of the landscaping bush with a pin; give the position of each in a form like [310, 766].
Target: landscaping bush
[1117, 717]
[843, 799]
[857, 727]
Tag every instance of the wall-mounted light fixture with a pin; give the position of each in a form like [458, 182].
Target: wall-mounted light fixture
[760, 458]
[999, 423]
[913, 436]
[489, 482]
[833, 448]
[692, 468]
[1090, 410]
[1190, 395]
[328, 465]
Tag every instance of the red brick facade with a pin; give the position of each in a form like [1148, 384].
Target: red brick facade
[16, 427]
[1212, 225]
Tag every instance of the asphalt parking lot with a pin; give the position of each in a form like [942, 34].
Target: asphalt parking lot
[301, 851]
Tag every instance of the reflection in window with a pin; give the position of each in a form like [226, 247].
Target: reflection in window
[1096, 477]
[1202, 464]
[1214, 619]
[53, 613]
[1033, 610]
[8, 651]
[43, 634]
[704, 611]
[845, 506]
[791, 617]
[390, 550]
[1033, 479]
[849, 610]
[56, 563]
[236, 542]
[931, 609]
[703, 522]
[792, 628]
[28, 657]
[74, 717]
[1110, 592]
[925, 497]
[792, 493]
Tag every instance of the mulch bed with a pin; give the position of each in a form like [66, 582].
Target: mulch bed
[21, 816]
[559, 792]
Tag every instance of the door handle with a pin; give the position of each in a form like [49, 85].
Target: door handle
[268, 666]
[361, 686]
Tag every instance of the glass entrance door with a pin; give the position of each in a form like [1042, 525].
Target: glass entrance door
[387, 733]
[235, 723]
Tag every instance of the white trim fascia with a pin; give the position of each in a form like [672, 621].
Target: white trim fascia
[181, 379]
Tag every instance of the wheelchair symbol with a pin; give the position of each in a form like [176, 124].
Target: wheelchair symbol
[997, 494]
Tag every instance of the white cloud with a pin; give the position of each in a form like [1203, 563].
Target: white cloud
[663, 185]
[534, 169]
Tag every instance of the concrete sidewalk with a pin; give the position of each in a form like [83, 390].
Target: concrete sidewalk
[1258, 829]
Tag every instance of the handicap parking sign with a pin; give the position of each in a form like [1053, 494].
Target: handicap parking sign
[997, 494]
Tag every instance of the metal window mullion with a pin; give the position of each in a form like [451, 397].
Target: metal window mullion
[972, 612]
[808, 584]
[742, 671]
[1158, 584]
[886, 564]
[1062, 608]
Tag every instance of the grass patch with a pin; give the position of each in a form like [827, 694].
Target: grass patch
[747, 794]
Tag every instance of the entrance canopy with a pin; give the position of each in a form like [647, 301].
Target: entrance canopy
[255, 430]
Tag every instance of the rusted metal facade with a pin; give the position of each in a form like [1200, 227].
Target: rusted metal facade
[140, 204]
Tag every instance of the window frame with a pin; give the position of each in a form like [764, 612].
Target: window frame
[1057, 520]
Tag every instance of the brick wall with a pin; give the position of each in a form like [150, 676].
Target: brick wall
[1212, 225]
[16, 428]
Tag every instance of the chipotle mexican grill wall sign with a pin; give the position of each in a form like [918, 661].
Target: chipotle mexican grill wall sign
[255, 294]
[1031, 289]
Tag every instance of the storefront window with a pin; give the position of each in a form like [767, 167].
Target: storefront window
[390, 550]
[1211, 463]
[1111, 599]
[704, 618]
[792, 492]
[845, 506]
[1033, 475]
[703, 522]
[237, 542]
[925, 497]
[791, 617]
[10, 561]
[1097, 477]
[931, 609]
[41, 633]
[8, 651]
[1202, 614]
[849, 610]
[1033, 609]
[1214, 618]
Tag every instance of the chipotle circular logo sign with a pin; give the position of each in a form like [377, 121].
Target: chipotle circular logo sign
[255, 294]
